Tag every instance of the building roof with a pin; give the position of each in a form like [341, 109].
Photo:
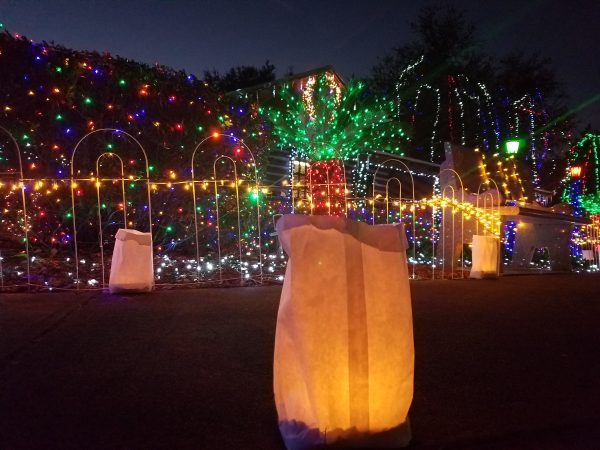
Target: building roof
[297, 77]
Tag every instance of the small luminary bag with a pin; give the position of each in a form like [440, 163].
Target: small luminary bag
[132, 266]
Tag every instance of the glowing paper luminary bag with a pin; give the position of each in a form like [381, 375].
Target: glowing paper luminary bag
[485, 257]
[131, 268]
[344, 354]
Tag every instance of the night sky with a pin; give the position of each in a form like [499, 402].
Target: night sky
[350, 35]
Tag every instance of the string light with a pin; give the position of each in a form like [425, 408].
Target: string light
[460, 110]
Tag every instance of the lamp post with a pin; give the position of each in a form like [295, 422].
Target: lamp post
[512, 146]
[575, 171]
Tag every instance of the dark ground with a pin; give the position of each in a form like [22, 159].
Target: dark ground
[505, 364]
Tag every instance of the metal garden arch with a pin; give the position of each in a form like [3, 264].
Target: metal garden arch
[236, 180]
[74, 184]
[24, 204]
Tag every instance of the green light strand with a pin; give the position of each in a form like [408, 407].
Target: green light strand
[322, 125]
[585, 154]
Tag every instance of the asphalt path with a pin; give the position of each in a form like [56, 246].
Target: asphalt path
[510, 363]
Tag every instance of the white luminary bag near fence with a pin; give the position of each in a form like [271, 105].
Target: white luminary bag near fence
[132, 267]
[485, 257]
[344, 353]
[587, 255]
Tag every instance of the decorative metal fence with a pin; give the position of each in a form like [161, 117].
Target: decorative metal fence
[214, 225]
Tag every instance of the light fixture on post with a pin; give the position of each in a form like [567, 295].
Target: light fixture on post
[512, 146]
[575, 171]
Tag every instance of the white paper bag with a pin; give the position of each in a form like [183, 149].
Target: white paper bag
[485, 257]
[344, 354]
[132, 267]
[588, 255]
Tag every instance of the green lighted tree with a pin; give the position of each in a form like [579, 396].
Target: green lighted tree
[327, 121]
[582, 188]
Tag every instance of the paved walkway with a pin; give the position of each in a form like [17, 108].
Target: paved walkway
[513, 363]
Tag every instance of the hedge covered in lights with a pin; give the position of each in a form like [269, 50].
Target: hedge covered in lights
[52, 96]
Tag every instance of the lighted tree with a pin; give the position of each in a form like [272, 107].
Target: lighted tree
[583, 177]
[440, 80]
[327, 123]
[449, 90]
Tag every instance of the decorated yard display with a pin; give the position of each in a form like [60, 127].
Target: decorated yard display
[206, 190]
